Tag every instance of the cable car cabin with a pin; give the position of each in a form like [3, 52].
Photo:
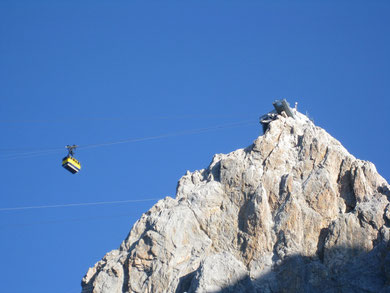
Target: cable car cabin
[71, 164]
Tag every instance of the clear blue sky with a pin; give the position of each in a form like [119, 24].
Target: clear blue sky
[90, 72]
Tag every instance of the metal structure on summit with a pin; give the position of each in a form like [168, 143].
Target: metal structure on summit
[280, 107]
[69, 162]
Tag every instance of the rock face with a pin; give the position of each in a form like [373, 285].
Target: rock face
[294, 212]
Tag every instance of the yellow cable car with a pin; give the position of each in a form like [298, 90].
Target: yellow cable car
[70, 163]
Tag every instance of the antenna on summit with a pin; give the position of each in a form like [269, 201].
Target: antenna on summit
[281, 106]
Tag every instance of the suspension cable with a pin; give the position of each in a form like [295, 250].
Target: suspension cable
[77, 204]
[40, 152]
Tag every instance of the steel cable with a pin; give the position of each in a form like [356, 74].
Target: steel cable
[76, 204]
[40, 152]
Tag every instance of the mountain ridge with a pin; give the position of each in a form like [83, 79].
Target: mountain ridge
[293, 201]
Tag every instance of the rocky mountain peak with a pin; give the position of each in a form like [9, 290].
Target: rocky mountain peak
[293, 212]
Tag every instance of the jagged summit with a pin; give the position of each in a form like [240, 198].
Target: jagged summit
[293, 212]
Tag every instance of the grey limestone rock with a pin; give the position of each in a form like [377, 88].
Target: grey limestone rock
[293, 212]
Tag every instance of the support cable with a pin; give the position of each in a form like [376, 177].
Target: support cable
[76, 204]
[40, 152]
